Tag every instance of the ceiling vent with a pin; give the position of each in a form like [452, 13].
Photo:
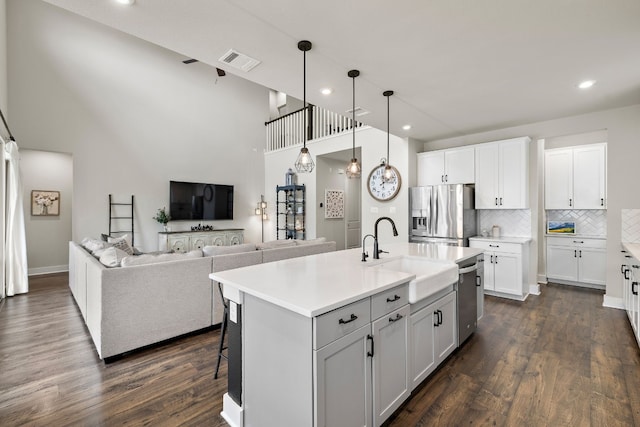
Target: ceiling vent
[359, 111]
[239, 60]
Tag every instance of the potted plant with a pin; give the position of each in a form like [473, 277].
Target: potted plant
[162, 217]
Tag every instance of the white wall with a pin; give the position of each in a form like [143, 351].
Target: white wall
[133, 117]
[623, 150]
[47, 236]
[373, 143]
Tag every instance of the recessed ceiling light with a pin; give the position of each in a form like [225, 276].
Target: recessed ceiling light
[127, 2]
[586, 84]
[326, 91]
[406, 127]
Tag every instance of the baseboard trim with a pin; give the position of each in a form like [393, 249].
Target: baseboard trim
[48, 270]
[542, 279]
[534, 289]
[612, 302]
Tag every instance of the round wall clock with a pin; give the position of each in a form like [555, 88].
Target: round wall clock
[381, 190]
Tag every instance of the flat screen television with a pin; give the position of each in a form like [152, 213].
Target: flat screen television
[198, 201]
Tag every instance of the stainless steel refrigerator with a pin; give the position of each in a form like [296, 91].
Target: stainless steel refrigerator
[442, 214]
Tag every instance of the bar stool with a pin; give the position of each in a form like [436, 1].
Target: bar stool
[221, 346]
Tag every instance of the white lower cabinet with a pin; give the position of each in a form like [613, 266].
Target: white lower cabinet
[505, 266]
[576, 260]
[390, 363]
[630, 270]
[343, 381]
[433, 336]
[362, 377]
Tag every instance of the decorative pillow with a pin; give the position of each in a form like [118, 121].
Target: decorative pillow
[92, 244]
[145, 259]
[112, 257]
[312, 241]
[122, 243]
[276, 244]
[225, 250]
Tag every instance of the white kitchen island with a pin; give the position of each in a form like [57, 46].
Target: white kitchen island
[327, 339]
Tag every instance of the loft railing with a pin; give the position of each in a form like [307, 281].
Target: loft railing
[288, 130]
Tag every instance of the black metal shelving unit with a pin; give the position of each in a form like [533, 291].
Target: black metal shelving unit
[290, 212]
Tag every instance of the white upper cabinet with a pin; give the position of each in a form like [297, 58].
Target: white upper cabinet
[502, 174]
[575, 177]
[455, 166]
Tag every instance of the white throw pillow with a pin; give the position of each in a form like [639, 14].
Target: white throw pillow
[226, 250]
[122, 243]
[112, 257]
[93, 245]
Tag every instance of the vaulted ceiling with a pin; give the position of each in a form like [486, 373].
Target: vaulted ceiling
[456, 66]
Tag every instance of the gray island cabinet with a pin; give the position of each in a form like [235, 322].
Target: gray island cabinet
[329, 341]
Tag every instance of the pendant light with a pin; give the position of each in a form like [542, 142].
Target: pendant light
[304, 162]
[353, 168]
[387, 175]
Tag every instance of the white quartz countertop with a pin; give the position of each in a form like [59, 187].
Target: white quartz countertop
[316, 284]
[575, 236]
[504, 239]
[633, 249]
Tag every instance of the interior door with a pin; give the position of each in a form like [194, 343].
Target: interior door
[353, 212]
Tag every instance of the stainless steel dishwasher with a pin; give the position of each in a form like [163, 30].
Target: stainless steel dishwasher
[467, 299]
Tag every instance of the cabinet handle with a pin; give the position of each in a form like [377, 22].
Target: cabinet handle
[500, 201]
[494, 246]
[351, 319]
[622, 268]
[395, 298]
[580, 253]
[578, 241]
[634, 288]
[496, 260]
[575, 253]
[601, 202]
[441, 178]
[370, 353]
[496, 201]
[440, 317]
[626, 274]
[491, 259]
[395, 319]
[446, 178]
[570, 202]
[478, 281]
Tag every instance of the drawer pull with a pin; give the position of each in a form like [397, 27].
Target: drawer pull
[395, 298]
[351, 319]
[370, 353]
[601, 202]
[634, 288]
[395, 319]
[494, 246]
[578, 241]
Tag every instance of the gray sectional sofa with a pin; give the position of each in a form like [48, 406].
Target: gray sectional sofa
[152, 299]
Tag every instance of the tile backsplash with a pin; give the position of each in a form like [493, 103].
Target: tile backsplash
[588, 222]
[631, 225]
[512, 222]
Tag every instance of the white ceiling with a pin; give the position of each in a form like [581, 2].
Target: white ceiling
[457, 66]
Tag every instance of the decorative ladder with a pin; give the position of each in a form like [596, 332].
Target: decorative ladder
[116, 216]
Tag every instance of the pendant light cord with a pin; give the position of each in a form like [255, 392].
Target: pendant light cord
[304, 95]
[388, 161]
[353, 118]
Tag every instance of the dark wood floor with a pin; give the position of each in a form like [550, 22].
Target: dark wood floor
[558, 359]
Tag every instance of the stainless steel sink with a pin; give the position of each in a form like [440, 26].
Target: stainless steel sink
[431, 276]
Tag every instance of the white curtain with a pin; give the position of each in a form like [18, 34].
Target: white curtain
[16, 277]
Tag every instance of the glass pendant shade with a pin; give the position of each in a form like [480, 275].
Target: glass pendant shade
[353, 169]
[304, 162]
[387, 175]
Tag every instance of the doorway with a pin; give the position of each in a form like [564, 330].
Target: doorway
[344, 228]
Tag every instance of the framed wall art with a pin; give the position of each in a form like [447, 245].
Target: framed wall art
[333, 204]
[561, 227]
[45, 203]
